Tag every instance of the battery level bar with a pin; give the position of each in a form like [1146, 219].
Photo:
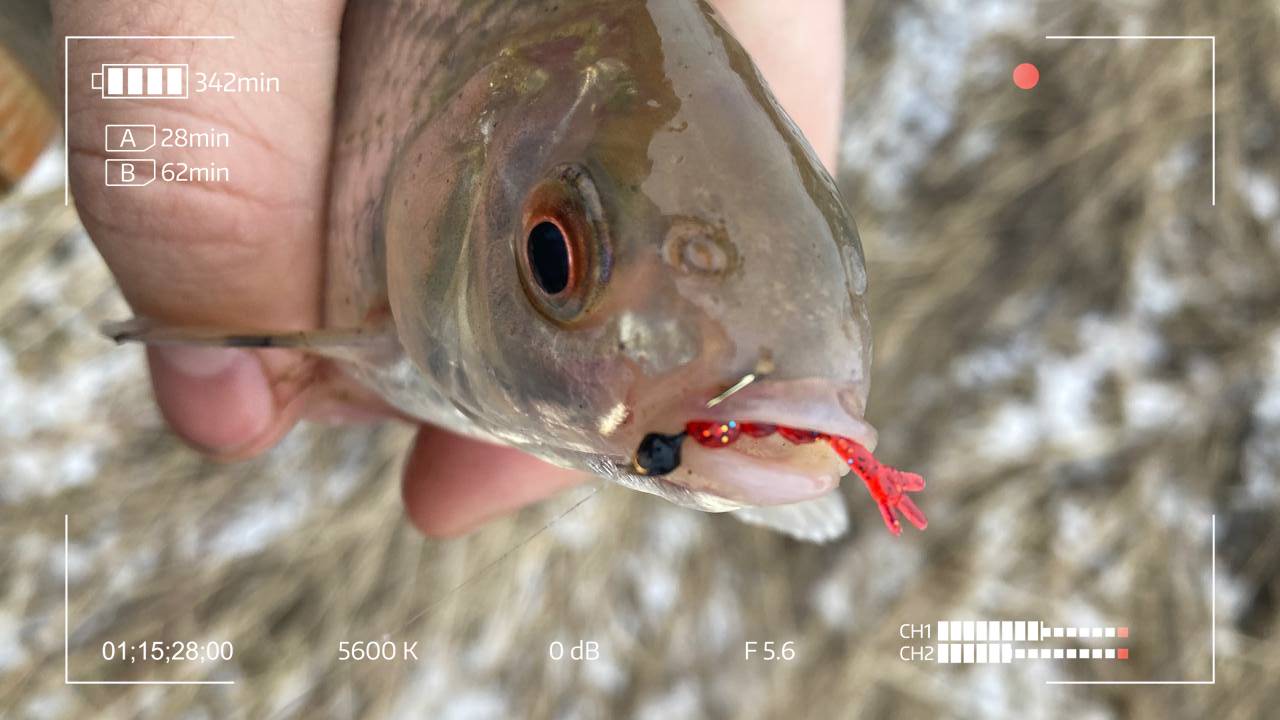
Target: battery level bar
[136, 80]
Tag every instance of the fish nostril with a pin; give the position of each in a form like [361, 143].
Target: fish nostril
[694, 247]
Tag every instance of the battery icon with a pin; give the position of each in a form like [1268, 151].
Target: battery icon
[150, 81]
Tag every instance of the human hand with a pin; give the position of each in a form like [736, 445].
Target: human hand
[218, 254]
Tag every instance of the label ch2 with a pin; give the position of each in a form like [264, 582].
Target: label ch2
[912, 653]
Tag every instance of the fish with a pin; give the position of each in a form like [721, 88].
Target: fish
[575, 226]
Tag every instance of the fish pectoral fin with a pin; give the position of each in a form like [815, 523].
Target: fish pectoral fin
[337, 343]
[819, 520]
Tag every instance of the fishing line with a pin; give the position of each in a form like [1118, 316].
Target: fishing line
[497, 561]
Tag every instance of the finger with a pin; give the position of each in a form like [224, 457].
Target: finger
[244, 252]
[799, 48]
[228, 402]
[452, 484]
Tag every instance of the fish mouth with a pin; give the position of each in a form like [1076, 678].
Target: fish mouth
[819, 405]
[770, 469]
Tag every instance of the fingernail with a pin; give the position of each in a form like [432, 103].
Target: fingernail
[201, 362]
[218, 399]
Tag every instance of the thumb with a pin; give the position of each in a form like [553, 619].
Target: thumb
[243, 250]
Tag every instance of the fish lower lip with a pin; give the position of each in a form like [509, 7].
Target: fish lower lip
[801, 473]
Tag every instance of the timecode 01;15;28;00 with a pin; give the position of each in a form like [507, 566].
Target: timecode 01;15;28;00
[167, 651]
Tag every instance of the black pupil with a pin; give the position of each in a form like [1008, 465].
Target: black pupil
[549, 257]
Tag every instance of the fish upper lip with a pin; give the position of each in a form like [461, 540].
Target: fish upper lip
[808, 404]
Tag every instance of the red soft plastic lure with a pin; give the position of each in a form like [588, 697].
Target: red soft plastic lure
[888, 486]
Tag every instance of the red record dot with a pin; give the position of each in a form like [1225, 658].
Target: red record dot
[1026, 76]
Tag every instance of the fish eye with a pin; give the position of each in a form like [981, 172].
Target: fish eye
[550, 258]
[562, 250]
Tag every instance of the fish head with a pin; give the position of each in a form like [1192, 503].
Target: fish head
[620, 224]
